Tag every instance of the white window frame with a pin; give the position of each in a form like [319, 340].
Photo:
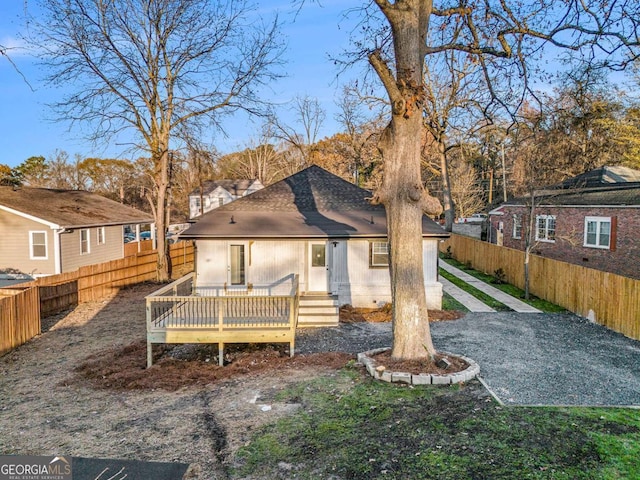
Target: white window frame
[599, 221]
[101, 236]
[32, 244]
[372, 253]
[547, 219]
[88, 241]
[517, 226]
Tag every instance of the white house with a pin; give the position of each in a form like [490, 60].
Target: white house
[216, 193]
[313, 224]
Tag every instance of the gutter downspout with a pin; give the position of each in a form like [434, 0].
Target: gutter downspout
[57, 248]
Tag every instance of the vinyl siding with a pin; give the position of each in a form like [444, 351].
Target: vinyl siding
[112, 249]
[14, 245]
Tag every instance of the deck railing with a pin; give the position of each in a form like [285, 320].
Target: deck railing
[184, 313]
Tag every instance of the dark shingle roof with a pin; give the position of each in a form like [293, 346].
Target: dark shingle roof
[601, 177]
[310, 203]
[70, 208]
[234, 186]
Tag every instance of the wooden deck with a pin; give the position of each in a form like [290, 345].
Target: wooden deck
[181, 313]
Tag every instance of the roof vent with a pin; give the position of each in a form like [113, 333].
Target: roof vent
[232, 220]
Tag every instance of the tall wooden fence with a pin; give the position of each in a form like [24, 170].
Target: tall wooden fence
[56, 293]
[19, 317]
[609, 299]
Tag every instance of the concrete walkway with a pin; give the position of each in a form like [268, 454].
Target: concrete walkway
[511, 302]
[470, 302]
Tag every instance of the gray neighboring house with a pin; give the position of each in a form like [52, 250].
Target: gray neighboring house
[216, 193]
[46, 231]
[313, 224]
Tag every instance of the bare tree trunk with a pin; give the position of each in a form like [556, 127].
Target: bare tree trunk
[402, 192]
[447, 200]
[529, 241]
[162, 183]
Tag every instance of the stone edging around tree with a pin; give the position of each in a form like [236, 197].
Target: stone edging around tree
[469, 373]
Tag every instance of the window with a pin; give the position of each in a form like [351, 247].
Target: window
[318, 255]
[38, 245]
[517, 226]
[84, 241]
[546, 228]
[237, 265]
[100, 236]
[220, 201]
[378, 254]
[597, 232]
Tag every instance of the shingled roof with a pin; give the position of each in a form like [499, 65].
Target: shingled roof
[312, 203]
[602, 177]
[604, 186]
[70, 208]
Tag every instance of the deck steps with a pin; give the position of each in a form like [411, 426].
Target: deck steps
[318, 310]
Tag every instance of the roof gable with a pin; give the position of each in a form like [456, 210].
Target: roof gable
[70, 208]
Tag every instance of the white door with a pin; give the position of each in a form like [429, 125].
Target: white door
[317, 267]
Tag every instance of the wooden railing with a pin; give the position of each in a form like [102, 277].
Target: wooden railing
[610, 300]
[182, 313]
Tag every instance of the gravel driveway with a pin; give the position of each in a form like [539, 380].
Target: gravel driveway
[525, 359]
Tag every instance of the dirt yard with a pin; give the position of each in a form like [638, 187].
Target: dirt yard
[81, 389]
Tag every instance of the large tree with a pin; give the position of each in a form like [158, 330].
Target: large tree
[157, 68]
[501, 37]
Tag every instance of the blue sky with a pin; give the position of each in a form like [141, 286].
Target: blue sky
[27, 128]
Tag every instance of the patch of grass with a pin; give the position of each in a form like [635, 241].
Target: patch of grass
[351, 426]
[450, 303]
[480, 295]
[512, 290]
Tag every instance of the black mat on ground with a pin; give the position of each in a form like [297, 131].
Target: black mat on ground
[102, 469]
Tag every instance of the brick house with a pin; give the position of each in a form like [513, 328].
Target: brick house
[591, 220]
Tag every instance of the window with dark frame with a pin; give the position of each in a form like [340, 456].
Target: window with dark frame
[378, 254]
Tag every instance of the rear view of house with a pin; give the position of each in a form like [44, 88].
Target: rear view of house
[312, 224]
[45, 231]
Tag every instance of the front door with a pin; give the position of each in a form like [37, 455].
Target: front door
[317, 267]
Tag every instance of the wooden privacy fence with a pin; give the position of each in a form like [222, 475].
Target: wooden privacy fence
[609, 299]
[19, 317]
[56, 293]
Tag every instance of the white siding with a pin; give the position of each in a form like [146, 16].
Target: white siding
[274, 260]
[350, 276]
[211, 262]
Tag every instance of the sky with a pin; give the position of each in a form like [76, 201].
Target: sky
[28, 127]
